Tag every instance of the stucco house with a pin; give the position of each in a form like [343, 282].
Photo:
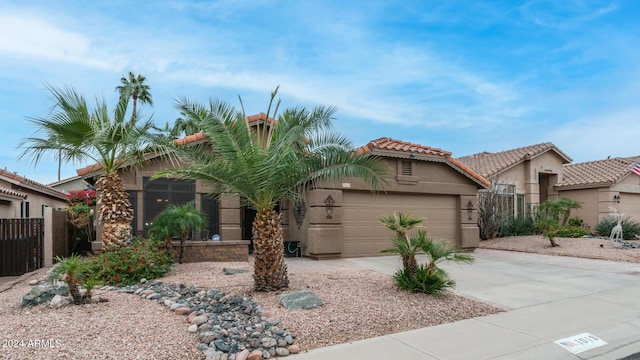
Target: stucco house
[601, 186]
[525, 176]
[336, 221]
[24, 198]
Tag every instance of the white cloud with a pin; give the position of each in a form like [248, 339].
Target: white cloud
[40, 40]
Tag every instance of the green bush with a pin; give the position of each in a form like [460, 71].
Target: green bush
[127, 265]
[423, 281]
[576, 222]
[571, 231]
[630, 228]
[517, 226]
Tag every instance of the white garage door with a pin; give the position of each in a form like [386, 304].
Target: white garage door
[364, 234]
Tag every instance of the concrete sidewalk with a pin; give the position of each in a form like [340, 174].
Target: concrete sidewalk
[550, 298]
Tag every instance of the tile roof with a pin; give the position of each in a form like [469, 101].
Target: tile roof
[182, 141]
[21, 181]
[596, 173]
[389, 144]
[489, 164]
[12, 193]
[386, 143]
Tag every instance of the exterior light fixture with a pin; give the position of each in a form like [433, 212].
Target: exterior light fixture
[470, 210]
[616, 198]
[299, 210]
[329, 206]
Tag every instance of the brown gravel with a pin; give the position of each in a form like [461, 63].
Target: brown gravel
[359, 304]
[579, 247]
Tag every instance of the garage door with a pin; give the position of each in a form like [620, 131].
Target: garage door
[364, 234]
[630, 205]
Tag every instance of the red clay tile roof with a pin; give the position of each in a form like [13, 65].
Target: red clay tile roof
[596, 173]
[489, 164]
[12, 193]
[21, 181]
[189, 139]
[386, 143]
[185, 140]
[409, 148]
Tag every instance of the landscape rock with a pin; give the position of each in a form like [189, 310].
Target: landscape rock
[230, 271]
[293, 349]
[42, 293]
[59, 301]
[304, 299]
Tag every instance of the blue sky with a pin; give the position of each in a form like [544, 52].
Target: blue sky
[464, 76]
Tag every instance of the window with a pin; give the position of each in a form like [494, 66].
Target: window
[133, 200]
[506, 196]
[210, 207]
[160, 193]
[24, 209]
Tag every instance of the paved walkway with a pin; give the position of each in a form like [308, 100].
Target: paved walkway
[550, 298]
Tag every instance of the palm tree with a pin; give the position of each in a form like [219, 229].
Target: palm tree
[400, 223]
[269, 163]
[179, 220]
[80, 134]
[135, 88]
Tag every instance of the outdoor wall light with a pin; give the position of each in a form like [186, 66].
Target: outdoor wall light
[299, 209]
[329, 206]
[470, 210]
[616, 198]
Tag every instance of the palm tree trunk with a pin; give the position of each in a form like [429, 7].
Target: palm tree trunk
[270, 269]
[114, 211]
[73, 290]
[183, 238]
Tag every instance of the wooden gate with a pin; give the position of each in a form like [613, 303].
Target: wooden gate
[21, 246]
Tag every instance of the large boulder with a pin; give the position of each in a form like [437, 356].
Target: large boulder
[44, 292]
[304, 299]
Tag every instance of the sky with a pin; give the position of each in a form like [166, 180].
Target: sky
[462, 76]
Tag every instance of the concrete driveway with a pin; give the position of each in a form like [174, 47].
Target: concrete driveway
[549, 297]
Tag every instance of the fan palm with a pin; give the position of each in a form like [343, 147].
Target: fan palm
[269, 163]
[78, 134]
[404, 246]
[134, 87]
[179, 220]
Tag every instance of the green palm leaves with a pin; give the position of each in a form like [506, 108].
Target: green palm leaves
[428, 277]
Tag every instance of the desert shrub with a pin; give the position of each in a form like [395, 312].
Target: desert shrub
[572, 231]
[576, 222]
[76, 272]
[517, 226]
[145, 258]
[423, 280]
[630, 228]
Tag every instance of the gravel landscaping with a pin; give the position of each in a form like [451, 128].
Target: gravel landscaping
[586, 247]
[358, 304]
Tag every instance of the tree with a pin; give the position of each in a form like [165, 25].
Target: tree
[428, 277]
[401, 223]
[111, 141]
[179, 220]
[268, 163]
[135, 88]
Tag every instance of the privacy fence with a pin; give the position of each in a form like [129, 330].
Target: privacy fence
[21, 246]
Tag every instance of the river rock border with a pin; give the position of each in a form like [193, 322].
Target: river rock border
[229, 327]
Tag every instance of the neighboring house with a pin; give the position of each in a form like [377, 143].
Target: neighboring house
[24, 198]
[601, 186]
[525, 176]
[341, 221]
[70, 184]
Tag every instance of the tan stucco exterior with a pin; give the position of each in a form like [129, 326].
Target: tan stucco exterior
[601, 201]
[534, 177]
[435, 191]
